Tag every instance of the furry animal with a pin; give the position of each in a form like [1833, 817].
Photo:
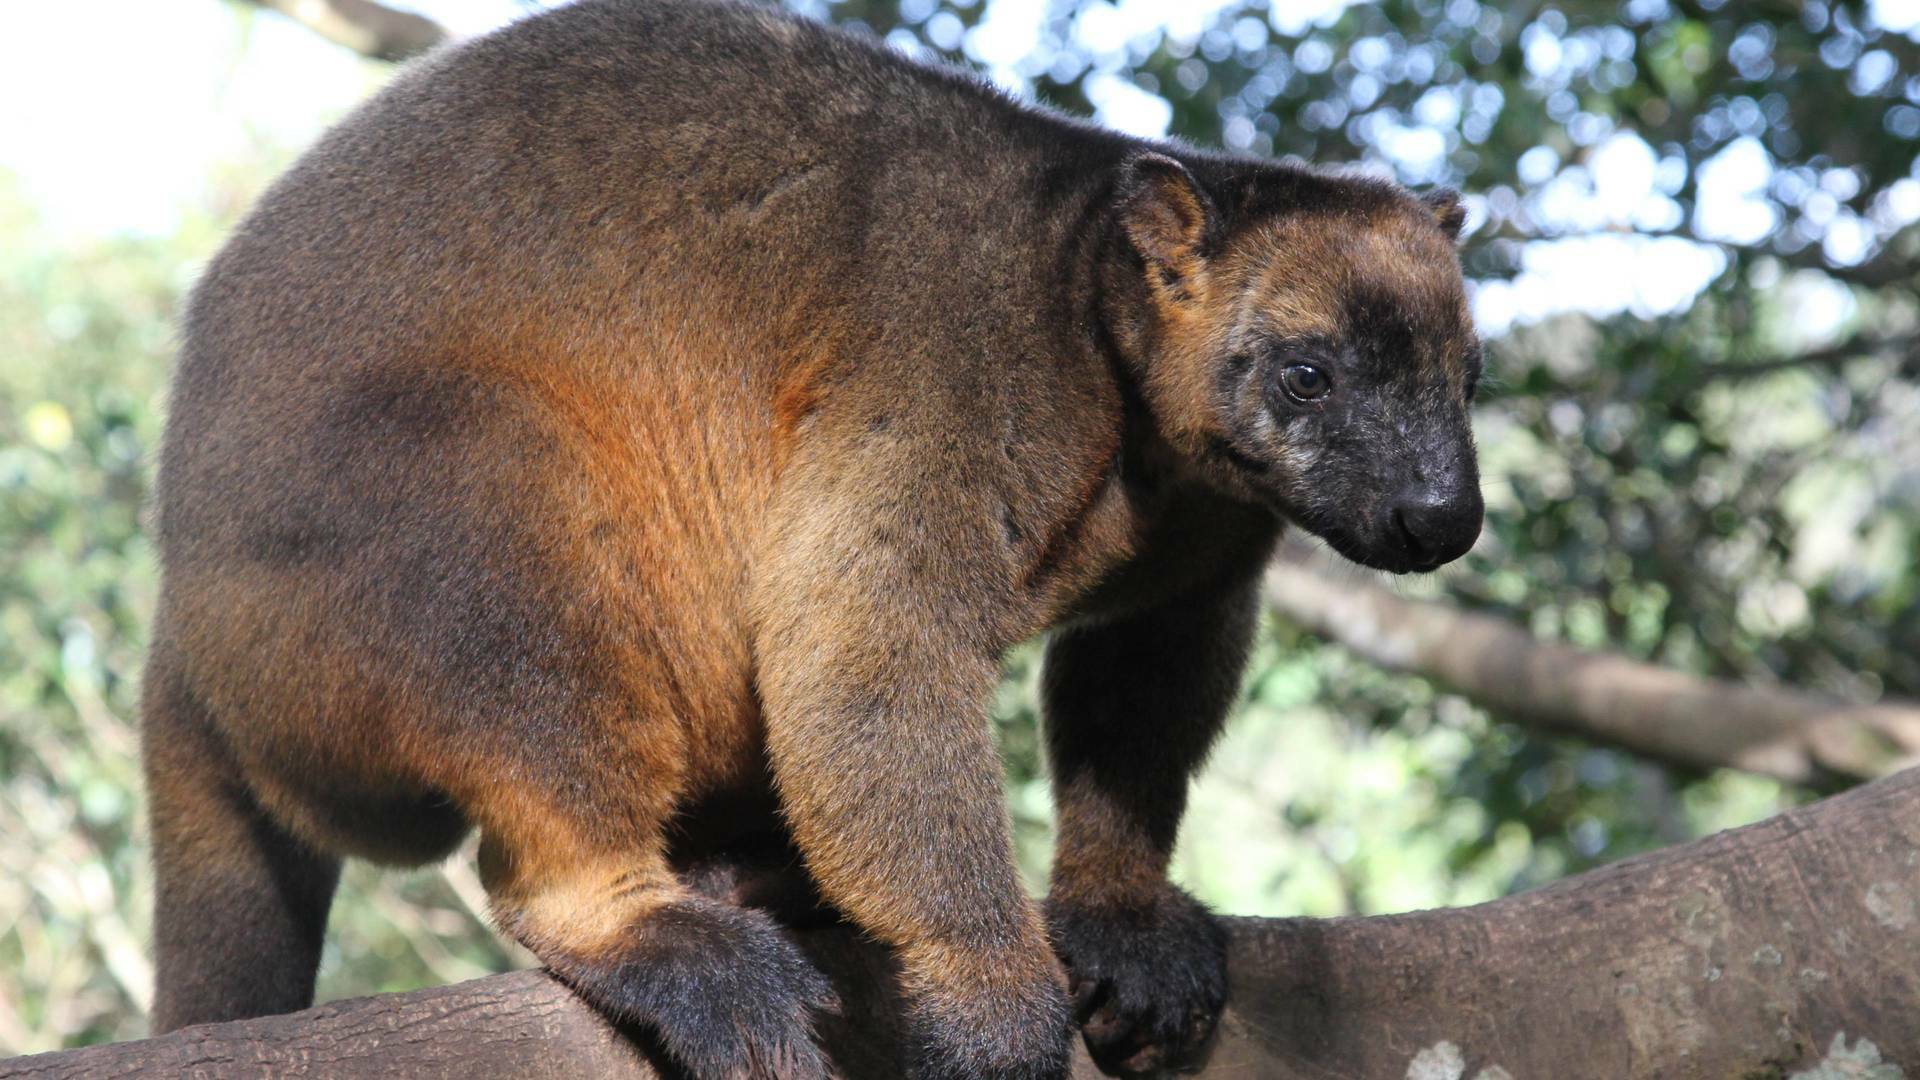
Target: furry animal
[636, 435]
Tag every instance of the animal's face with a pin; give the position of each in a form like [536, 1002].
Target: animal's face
[1320, 359]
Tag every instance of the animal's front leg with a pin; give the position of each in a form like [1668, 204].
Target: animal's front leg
[878, 649]
[1132, 707]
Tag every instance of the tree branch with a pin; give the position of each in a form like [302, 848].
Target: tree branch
[366, 27]
[1752, 953]
[1606, 697]
[1906, 347]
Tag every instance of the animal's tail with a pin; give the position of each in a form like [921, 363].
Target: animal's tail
[241, 905]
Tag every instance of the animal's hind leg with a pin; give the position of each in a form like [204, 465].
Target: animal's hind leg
[241, 904]
[721, 987]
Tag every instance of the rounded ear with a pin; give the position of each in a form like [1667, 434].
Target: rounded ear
[1447, 210]
[1167, 217]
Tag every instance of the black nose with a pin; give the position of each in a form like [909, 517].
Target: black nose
[1437, 526]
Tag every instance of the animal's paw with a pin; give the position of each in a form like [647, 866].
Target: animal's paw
[1015, 1029]
[724, 991]
[1148, 980]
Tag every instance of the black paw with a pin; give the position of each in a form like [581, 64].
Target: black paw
[721, 988]
[1148, 982]
[1018, 1030]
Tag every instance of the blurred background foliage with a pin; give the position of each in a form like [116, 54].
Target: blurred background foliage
[1692, 241]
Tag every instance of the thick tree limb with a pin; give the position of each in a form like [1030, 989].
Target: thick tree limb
[1606, 697]
[1756, 953]
[366, 27]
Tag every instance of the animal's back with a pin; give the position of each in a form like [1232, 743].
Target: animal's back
[476, 451]
[469, 436]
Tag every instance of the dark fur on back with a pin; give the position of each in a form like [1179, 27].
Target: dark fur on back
[636, 434]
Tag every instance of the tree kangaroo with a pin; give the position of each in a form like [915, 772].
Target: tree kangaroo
[636, 435]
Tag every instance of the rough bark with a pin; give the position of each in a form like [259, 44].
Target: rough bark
[366, 27]
[1765, 952]
[1777, 731]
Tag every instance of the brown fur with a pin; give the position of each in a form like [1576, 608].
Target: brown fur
[651, 477]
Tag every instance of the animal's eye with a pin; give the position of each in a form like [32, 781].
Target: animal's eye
[1304, 382]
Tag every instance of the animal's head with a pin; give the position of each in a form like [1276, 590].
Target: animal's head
[1304, 339]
